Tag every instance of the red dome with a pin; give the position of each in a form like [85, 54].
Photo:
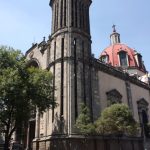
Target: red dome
[120, 55]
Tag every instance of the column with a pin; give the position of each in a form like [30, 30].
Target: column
[37, 123]
[45, 123]
[28, 136]
[129, 96]
[53, 18]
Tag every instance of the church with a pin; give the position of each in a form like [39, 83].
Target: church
[117, 76]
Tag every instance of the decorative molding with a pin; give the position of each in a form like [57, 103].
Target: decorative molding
[142, 105]
[29, 50]
[33, 61]
[116, 72]
[43, 46]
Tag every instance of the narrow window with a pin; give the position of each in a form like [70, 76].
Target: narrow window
[61, 14]
[84, 90]
[54, 80]
[72, 13]
[88, 23]
[83, 16]
[75, 80]
[62, 78]
[56, 16]
[140, 61]
[76, 15]
[80, 13]
[86, 20]
[64, 12]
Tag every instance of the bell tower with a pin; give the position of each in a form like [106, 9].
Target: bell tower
[69, 61]
[70, 14]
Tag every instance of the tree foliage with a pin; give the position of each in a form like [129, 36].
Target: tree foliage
[83, 122]
[117, 120]
[22, 89]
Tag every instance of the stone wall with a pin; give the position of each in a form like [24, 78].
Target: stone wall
[90, 143]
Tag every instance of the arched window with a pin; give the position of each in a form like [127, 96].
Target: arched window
[33, 63]
[123, 58]
[143, 116]
[140, 61]
[113, 97]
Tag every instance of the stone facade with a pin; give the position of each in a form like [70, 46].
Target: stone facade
[78, 77]
[92, 143]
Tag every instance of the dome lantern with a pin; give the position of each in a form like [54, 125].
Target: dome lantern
[114, 37]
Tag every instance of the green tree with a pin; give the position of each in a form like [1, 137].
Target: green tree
[117, 120]
[22, 89]
[83, 122]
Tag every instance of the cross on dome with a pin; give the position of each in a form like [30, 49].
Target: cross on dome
[114, 28]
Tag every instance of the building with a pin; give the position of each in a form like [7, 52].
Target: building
[80, 78]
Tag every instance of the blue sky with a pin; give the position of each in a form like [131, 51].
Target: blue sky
[23, 22]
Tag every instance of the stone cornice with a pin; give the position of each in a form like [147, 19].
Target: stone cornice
[64, 30]
[117, 73]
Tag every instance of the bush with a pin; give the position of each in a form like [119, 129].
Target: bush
[83, 122]
[116, 119]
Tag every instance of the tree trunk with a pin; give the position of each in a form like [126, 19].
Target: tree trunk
[6, 144]
[7, 138]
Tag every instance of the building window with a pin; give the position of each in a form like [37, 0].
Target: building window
[65, 12]
[113, 97]
[104, 59]
[143, 116]
[72, 13]
[140, 61]
[123, 59]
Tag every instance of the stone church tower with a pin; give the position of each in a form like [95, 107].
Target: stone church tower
[66, 54]
[69, 60]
